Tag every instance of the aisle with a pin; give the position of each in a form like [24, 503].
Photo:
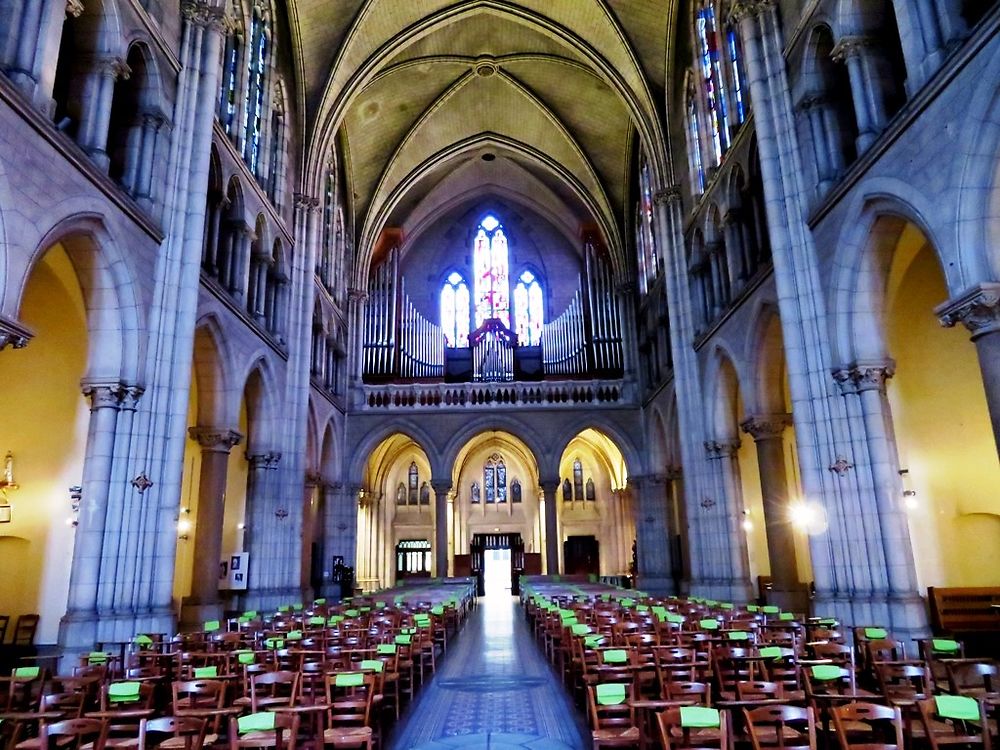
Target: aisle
[493, 691]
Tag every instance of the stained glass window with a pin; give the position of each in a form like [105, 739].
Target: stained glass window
[591, 494]
[711, 79]
[476, 493]
[414, 483]
[736, 74]
[694, 147]
[495, 479]
[515, 491]
[230, 77]
[577, 479]
[567, 491]
[401, 494]
[646, 241]
[491, 268]
[455, 311]
[425, 494]
[256, 93]
[529, 313]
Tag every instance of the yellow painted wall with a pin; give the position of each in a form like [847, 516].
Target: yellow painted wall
[43, 421]
[760, 563]
[184, 561]
[942, 429]
[237, 470]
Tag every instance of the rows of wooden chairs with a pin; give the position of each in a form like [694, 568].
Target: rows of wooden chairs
[696, 675]
[319, 676]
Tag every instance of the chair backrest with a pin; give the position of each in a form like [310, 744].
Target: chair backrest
[676, 735]
[24, 631]
[4, 622]
[828, 678]
[884, 649]
[794, 727]
[902, 680]
[756, 690]
[152, 732]
[950, 720]
[126, 696]
[349, 697]
[74, 733]
[872, 726]
[281, 686]
[973, 678]
[285, 728]
[198, 694]
[610, 705]
[25, 688]
[70, 705]
[838, 653]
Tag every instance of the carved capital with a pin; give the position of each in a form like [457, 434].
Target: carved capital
[765, 426]
[354, 294]
[130, 397]
[721, 448]
[851, 46]
[442, 488]
[74, 8]
[201, 13]
[864, 376]
[748, 9]
[215, 439]
[314, 479]
[673, 473]
[667, 196]
[550, 485]
[306, 202]
[104, 395]
[977, 308]
[13, 334]
[265, 461]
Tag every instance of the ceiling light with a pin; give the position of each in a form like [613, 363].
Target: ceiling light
[488, 157]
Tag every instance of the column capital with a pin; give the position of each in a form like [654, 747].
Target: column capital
[977, 308]
[112, 67]
[441, 487]
[851, 46]
[717, 449]
[550, 484]
[201, 13]
[306, 202]
[765, 426]
[74, 8]
[354, 294]
[667, 195]
[266, 461]
[314, 479]
[103, 395]
[130, 397]
[864, 376]
[748, 9]
[673, 473]
[215, 439]
[13, 334]
[811, 100]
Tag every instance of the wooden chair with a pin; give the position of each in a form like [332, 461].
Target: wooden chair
[269, 729]
[74, 734]
[954, 720]
[272, 689]
[200, 695]
[676, 735]
[172, 733]
[868, 726]
[4, 622]
[975, 679]
[24, 630]
[697, 692]
[349, 698]
[70, 705]
[612, 717]
[781, 727]
[24, 691]
[127, 699]
[759, 690]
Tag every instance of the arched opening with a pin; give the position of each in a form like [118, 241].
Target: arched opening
[132, 102]
[495, 482]
[946, 450]
[396, 505]
[828, 103]
[44, 421]
[596, 507]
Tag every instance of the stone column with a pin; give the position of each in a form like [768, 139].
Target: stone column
[88, 552]
[356, 315]
[239, 278]
[96, 115]
[816, 109]
[442, 487]
[978, 309]
[655, 571]
[767, 433]
[216, 443]
[262, 537]
[143, 187]
[858, 53]
[680, 562]
[733, 560]
[312, 500]
[550, 488]
[27, 33]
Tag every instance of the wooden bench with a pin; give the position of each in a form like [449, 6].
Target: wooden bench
[964, 610]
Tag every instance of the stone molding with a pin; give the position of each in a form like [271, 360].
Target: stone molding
[667, 196]
[104, 395]
[749, 9]
[977, 308]
[205, 14]
[266, 461]
[717, 449]
[851, 46]
[858, 377]
[215, 439]
[765, 426]
[13, 334]
[74, 8]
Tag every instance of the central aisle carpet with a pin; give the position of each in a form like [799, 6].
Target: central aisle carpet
[492, 691]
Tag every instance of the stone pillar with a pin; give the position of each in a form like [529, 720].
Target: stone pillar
[978, 309]
[356, 315]
[22, 68]
[216, 443]
[824, 134]
[767, 433]
[550, 488]
[732, 557]
[263, 540]
[655, 571]
[88, 552]
[859, 54]
[312, 501]
[239, 278]
[96, 115]
[143, 186]
[442, 488]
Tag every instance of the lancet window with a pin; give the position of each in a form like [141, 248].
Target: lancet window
[455, 310]
[529, 310]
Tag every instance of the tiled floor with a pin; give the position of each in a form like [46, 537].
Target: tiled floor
[492, 691]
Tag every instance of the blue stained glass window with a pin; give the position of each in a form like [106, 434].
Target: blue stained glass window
[711, 74]
[495, 479]
[529, 312]
[490, 483]
[414, 481]
[491, 272]
[230, 75]
[253, 115]
[577, 480]
[455, 311]
[736, 66]
[694, 148]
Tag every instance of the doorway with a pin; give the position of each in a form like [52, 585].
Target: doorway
[496, 572]
[581, 556]
[509, 566]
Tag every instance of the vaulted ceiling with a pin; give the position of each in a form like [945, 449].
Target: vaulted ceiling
[434, 100]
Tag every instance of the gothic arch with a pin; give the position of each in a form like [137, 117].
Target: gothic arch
[723, 395]
[407, 427]
[493, 423]
[216, 399]
[262, 395]
[765, 357]
[625, 444]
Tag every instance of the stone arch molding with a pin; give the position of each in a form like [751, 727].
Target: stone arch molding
[114, 316]
[407, 427]
[501, 423]
[614, 432]
[858, 288]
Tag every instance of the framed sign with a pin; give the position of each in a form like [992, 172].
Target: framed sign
[233, 572]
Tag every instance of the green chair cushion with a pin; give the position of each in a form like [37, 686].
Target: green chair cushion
[351, 612]
[580, 629]
[98, 657]
[738, 635]
[143, 640]
[317, 620]
[960, 707]
[294, 635]
[770, 652]
[404, 640]
[610, 694]
[876, 634]
[753, 608]
[319, 601]
[211, 626]
[259, 722]
[709, 624]
[205, 673]
[246, 658]
[593, 641]
[825, 672]
[945, 645]
[123, 692]
[700, 717]
[786, 616]
[615, 656]
[675, 618]
[385, 649]
[770, 609]
[26, 673]
[335, 619]
[375, 665]
[251, 613]
[274, 642]
[569, 621]
[350, 679]
[727, 605]
[438, 610]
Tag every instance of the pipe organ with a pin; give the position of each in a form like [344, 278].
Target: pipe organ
[583, 340]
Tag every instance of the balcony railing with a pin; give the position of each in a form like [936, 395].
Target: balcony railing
[563, 394]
